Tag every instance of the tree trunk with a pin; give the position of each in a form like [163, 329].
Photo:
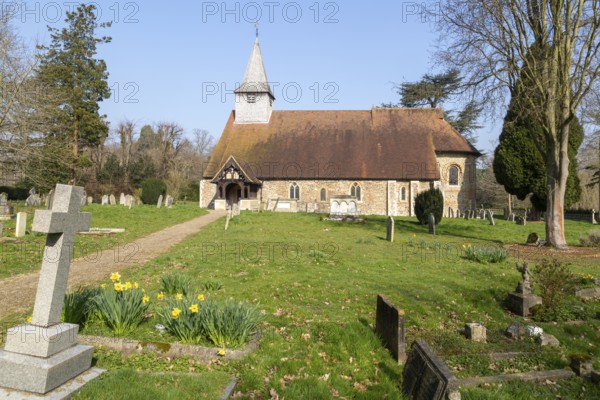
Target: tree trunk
[75, 149]
[558, 172]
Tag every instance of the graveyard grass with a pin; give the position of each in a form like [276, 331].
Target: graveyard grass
[317, 282]
[24, 255]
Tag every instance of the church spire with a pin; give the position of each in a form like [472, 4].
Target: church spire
[254, 98]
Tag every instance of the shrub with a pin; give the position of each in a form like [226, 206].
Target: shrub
[13, 193]
[591, 240]
[175, 283]
[79, 305]
[553, 280]
[183, 320]
[152, 188]
[429, 202]
[485, 255]
[121, 307]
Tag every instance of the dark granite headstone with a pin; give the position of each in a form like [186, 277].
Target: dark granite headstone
[431, 221]
[390, 229]
[426, 377]
[533, 238]
[389, 325]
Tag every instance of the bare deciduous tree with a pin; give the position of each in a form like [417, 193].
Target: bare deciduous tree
[491, 42]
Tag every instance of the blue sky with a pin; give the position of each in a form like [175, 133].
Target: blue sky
[180, 60]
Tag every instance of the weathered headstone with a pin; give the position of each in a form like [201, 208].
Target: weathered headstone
[521, 220]
[159, 202]
[169, 202]
[390, 229]
[122, 199]
[50, 199]
[431, 221]
[105, 200]
[491, 218]
[594, 222]
[6, 211]
[475, 332]
[21, 226]
[533, 238]
[426, 377]
[511, 217]
[41, 356]
[83, 199]
[515, 330]
[90, 200]
[522, 299]
[483, 214]
[389, 326]
[113, 200]
[466, 214]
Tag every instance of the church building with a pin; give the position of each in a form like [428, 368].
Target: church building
[348, 162]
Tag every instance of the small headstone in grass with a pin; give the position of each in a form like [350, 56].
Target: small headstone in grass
[83, 199]
[43, 355]
[476, 332]
[90, 200]
[390, 229]
[169, 202]
[159, 202]
[113, 200]
[533, 238]
[122, 199]
[425, 376]
[515, 330]
[104, 200]
[50, 199]
[389, 326]
[450, 212]
[594, 222]
[431, 221]
[546, 339]
[483, 214]
[21, 224]
[491, 218]
[588, 294]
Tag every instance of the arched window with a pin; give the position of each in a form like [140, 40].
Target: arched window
[356, 191]
[295, 191]
[323, 194]
[453, 175]
[403, 194]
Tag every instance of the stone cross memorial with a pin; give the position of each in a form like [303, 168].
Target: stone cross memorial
[44, 355]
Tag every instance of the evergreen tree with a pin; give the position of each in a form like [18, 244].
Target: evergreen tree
[69, 65]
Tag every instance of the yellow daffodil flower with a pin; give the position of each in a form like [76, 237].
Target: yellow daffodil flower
[135, 285]
[221, 352]
[175, 313]
[179, 296]
[29, 319]
[194, 308]
[145, 299]
[115, 277]
[118, 287]
[200, 297]
[160, 296]
[128, 286]
[103, 286]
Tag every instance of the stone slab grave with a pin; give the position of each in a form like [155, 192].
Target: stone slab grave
[159, 202]
[42, 356]
[389, 326]
[390, 229]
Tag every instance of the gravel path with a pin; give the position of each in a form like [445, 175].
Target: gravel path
[17, 293]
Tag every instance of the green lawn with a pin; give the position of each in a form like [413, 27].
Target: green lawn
[317, 283]
[24, 255]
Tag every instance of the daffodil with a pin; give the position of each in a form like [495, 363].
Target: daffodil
[135, 285]
[128, 286]
[160, 296]
[179, 296]
[103, 286]
[118, 287]
[221, 352]
[145, 299]
[200, 297]
[29, 319]
[194, 308]
[115, 277]
[175, 313]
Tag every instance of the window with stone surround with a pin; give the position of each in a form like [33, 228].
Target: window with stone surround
[453, 175]
[323, 194]
[403, 194]
[356, 191]
[294, 191]
[251, 97]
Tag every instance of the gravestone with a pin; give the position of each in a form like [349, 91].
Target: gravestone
[352, 209]
[491, 218]
[533, 238]
[1, 229]
[105, 200]
[476, 332]
[6, 211]
[426, 377]
[472, 214]
[450, 212]
[21, 224]
[50, 199]
[90, 200]
[467, 213]
[483, 214]
[113, 200]
[83, 199]
[431, 221]
[389, 326]
[122, 199]
[390, 230]
[344, 208]
[594, 222]
[335, 207]
[522, 299]
[169, 202]
[43, 355]
[159, 202]
[511, 217]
